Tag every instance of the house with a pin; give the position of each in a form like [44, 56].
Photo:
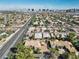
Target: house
[46, 35]
[37, 44]
[35, 23]
[38, 35]
[52, 35]
[43, 29]
[63, 35]
[62, 44]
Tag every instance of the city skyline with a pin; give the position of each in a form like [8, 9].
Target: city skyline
[39, 4]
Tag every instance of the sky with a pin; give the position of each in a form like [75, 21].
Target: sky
[36, 4]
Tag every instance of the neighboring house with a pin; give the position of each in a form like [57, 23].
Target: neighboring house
[38, 35]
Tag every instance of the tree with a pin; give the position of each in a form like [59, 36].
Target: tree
[73, 56]
[10, 56]
[76, 44]
[64, 56]
[0, 38]
[54, 53]
[23, 52]
[71, 36]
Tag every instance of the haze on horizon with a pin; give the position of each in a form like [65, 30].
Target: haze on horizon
[39, 4]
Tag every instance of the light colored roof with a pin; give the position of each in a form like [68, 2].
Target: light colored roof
[61, 51]
[38, 35]
[52, 34]
[4, 33]
[38, 29]
[58, 43]
[67, 44]
[75, 16]
[46, 35]
[36, 23]
[2, 25]
[34, 43]
[31, 28]
[63, 34]
[37, 44]
[44, 28]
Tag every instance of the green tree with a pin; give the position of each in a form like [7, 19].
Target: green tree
[73, 56]
[23, 52]
[54, 53]
[65, 55]
[71, 36]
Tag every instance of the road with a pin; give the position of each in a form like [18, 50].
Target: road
[13, 40]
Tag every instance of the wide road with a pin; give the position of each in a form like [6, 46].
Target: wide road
[13, 40]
